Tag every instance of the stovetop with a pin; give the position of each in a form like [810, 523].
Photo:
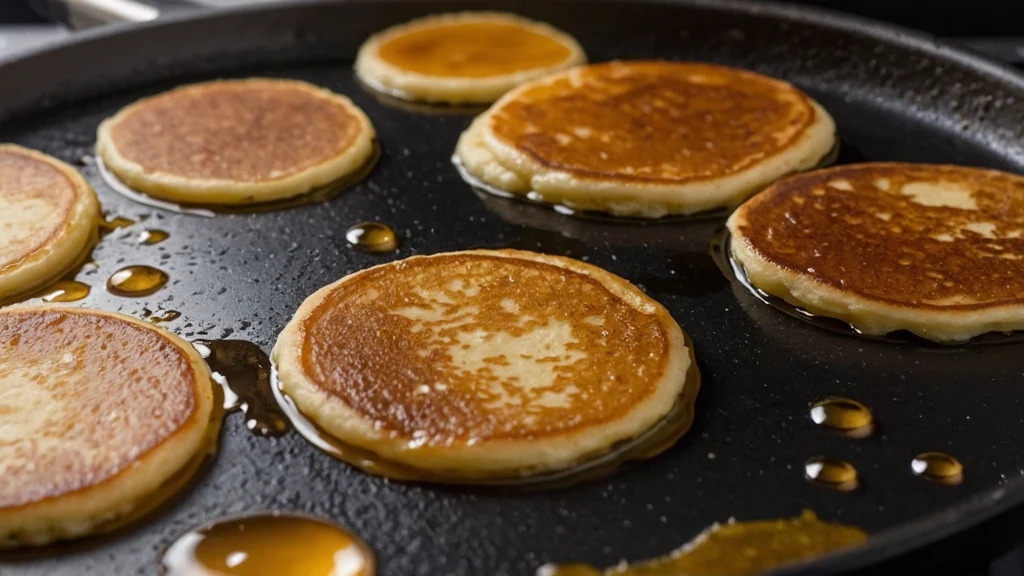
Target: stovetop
[985, 26]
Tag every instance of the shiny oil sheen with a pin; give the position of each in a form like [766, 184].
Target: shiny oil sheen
[243, 370]
[736, 549]
[269, 544]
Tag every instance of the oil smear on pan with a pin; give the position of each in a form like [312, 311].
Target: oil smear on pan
[938, 467]
[137, 280]
[843, 416]
[372, 237]
[736, 549]
[243, 371]
[273, 543]
[660, 437]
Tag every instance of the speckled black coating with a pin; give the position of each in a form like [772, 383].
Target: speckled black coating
[895, 96]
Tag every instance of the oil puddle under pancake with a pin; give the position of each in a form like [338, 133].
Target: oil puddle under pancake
[735, 271]
[265, 544]
[243, 370]
[648, 444]
[400, 100]
[321, 194]
[736, 549]
[63, 286]
[831, 473]
[137, 280]
[843, 416]
[372, 237]
[938, 467]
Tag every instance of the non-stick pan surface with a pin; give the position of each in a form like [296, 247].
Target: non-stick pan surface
[895, 96]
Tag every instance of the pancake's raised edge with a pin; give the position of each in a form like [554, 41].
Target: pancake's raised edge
[83, 511]
[229, 192]
[389, 79]
[653, 200]
[872, 317]
[61, 252]
[492, 456]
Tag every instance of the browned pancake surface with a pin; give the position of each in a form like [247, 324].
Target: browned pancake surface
[103, 393]
[472, 49]
[870, 231]
[37, 200]
[659, 122]
[246, 131]
[381, 342]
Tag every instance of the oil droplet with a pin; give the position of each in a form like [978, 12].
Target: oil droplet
[372, 237]
[113, 223]
[278, 544]
[938, 467]
[137, 280]
[737, 549]
[831, 473]
[64, 291]
[843, 416]
[150, 237]
[243, 369]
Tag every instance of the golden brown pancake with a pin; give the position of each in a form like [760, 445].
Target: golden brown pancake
[97, 410]
[467, 57]
[236, 141]
[477, 364]
[647, 138]
[937, 250]
[48, 219]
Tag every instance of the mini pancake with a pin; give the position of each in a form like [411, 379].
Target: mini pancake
[476, 364]
[462, 58]
[646, 138]
[233, 142]
[936, 250]
[48, 222]
[97, 411]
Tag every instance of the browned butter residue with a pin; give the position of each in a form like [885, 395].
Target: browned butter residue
[736, 549]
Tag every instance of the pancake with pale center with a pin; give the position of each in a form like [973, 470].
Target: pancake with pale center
[48, 222]
[467, 57]
[233, 142]
[646, 138]
[936, 250]
[97, 411]
[483, 363]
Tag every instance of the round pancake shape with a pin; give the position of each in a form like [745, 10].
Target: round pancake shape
[231, 142]
[48, 222]
[937, 250]
[647, 138]
[97, 411]
[463, 58]
[477, 364]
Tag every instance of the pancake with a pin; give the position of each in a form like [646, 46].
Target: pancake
[477, 364]
[233, 142]
[936, 250]
[48, 222]
[646, 138]
[463, 58]
[97, 411]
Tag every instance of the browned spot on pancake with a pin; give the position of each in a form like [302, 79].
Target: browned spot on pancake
[915, 235]
[658, 122]
[37, 199]
[245, 131]
[84, 396]
[407, 346]
[472, 50]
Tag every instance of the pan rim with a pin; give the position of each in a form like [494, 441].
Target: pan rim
[884, 545]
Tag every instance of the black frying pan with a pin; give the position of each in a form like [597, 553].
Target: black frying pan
[895, 95]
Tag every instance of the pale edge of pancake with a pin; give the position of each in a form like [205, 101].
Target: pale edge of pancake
[497, 163]
[88, 509]
[230, 192]
[380, 75]
[490, 456]
[872, 317]
[61, 253]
